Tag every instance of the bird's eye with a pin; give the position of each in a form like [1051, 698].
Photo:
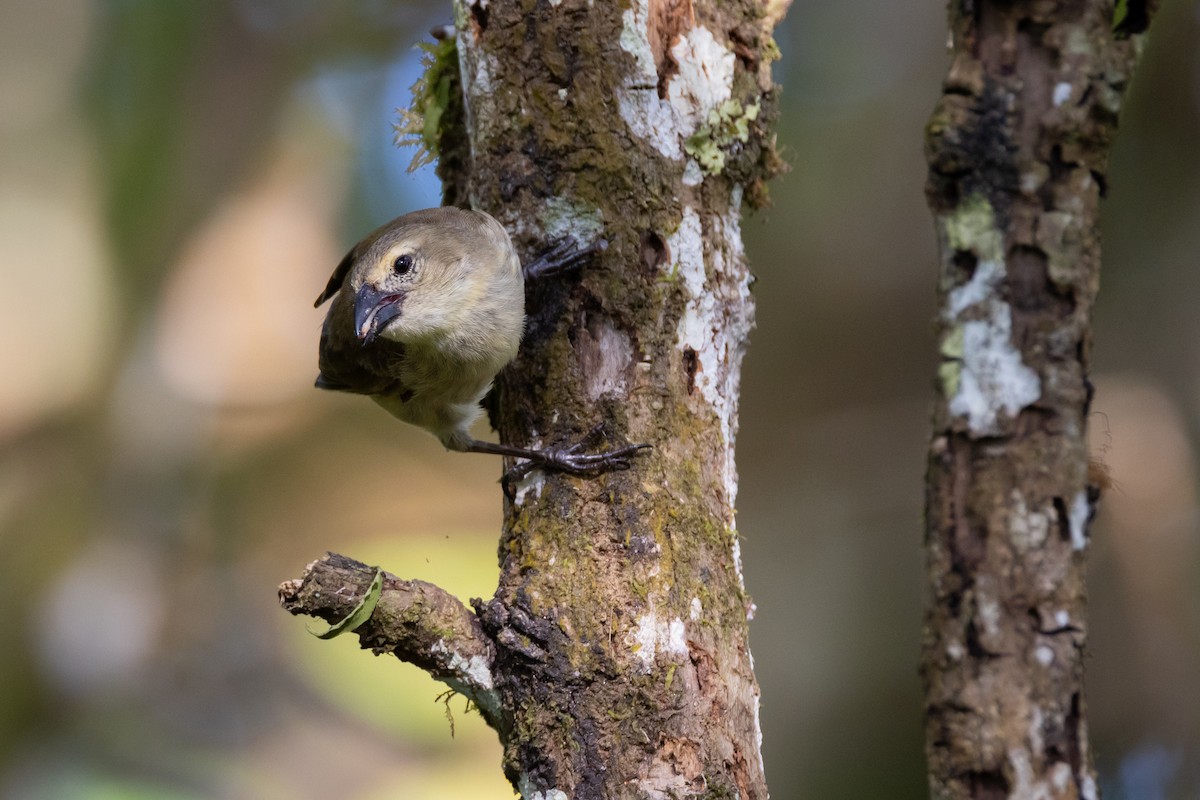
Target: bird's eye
[402, 265]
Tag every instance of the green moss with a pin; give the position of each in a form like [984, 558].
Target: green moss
[727, 124]
[950, 377]
[952, 344]
[971, 227]
[433, 95]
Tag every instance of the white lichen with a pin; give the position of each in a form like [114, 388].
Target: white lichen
[1062, 93]
[1060, 777]
[562, 218]
[989, 614]
[1036, 719]
[989, 378]
[986, 279]
[696, 609]
[1027, 529]
[474, 677]
[475, 669]
[526, 787]
[654, 636]
[1024, 786]
[993, 378]
[1077, 519]
[704, 80]
[532, 482]
[676, 641]
[1044, 655]
[648, 116]
[612, 353]
[707, 328]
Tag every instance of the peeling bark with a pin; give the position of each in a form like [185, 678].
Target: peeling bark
[620, 625]
[1018, 149]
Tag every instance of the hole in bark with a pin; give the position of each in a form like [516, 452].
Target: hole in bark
[990, 785]
[654, 250]
[1029, 278]
[1064, 521]
[480, 15]
[1073, 722]
[965, 262]
[691, 365]
[974, 647]
[1137, 19]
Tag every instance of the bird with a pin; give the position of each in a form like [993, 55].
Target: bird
[426, 310]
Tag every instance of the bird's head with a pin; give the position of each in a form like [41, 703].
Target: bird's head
[423, 275]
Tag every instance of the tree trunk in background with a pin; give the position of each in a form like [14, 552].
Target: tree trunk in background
[1018, 150]
[613, 660]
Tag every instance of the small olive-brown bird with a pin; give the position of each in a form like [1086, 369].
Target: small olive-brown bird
[426, 311]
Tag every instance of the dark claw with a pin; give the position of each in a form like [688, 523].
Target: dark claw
[564, 256]
[571, 461]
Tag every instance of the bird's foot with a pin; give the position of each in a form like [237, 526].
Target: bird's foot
[563, 257]
[573, 460]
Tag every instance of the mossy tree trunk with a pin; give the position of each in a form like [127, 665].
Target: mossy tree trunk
[1018, 149]
[613, 659]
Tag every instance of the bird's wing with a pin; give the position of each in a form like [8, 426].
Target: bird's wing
[349, 366]
[337, 278]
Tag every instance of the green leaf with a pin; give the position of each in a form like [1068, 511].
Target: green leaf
[1120, 12]
[361, 613]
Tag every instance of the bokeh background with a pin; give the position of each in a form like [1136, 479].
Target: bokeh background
[177, 179]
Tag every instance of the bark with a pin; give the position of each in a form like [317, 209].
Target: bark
[618, 633]
[1017, 148]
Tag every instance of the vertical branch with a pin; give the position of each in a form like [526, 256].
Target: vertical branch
[621, 617]
[1018, 148]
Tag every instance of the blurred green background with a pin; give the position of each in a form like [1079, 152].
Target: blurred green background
[177, 181]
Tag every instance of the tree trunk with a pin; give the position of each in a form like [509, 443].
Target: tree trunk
[1018, 149]
[613, 660]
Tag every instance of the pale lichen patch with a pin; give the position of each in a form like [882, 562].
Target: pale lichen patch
[648, 116]
[562, 218]
[988, 378]
[606, 354]
[1026, 529]
[1060, 777]
[701, 86]
[989, 615]
[528, 791]
[1077, 519]
[704, 80]
[1024, 786]
[1044, 655]
[654, 636]
[474, 677]
[475, 670]
[1062, 93]
[707, 331]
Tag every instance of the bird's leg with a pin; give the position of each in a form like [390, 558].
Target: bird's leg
[563, 257]
[570, 459]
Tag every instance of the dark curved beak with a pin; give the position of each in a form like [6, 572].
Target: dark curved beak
[373, 310]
